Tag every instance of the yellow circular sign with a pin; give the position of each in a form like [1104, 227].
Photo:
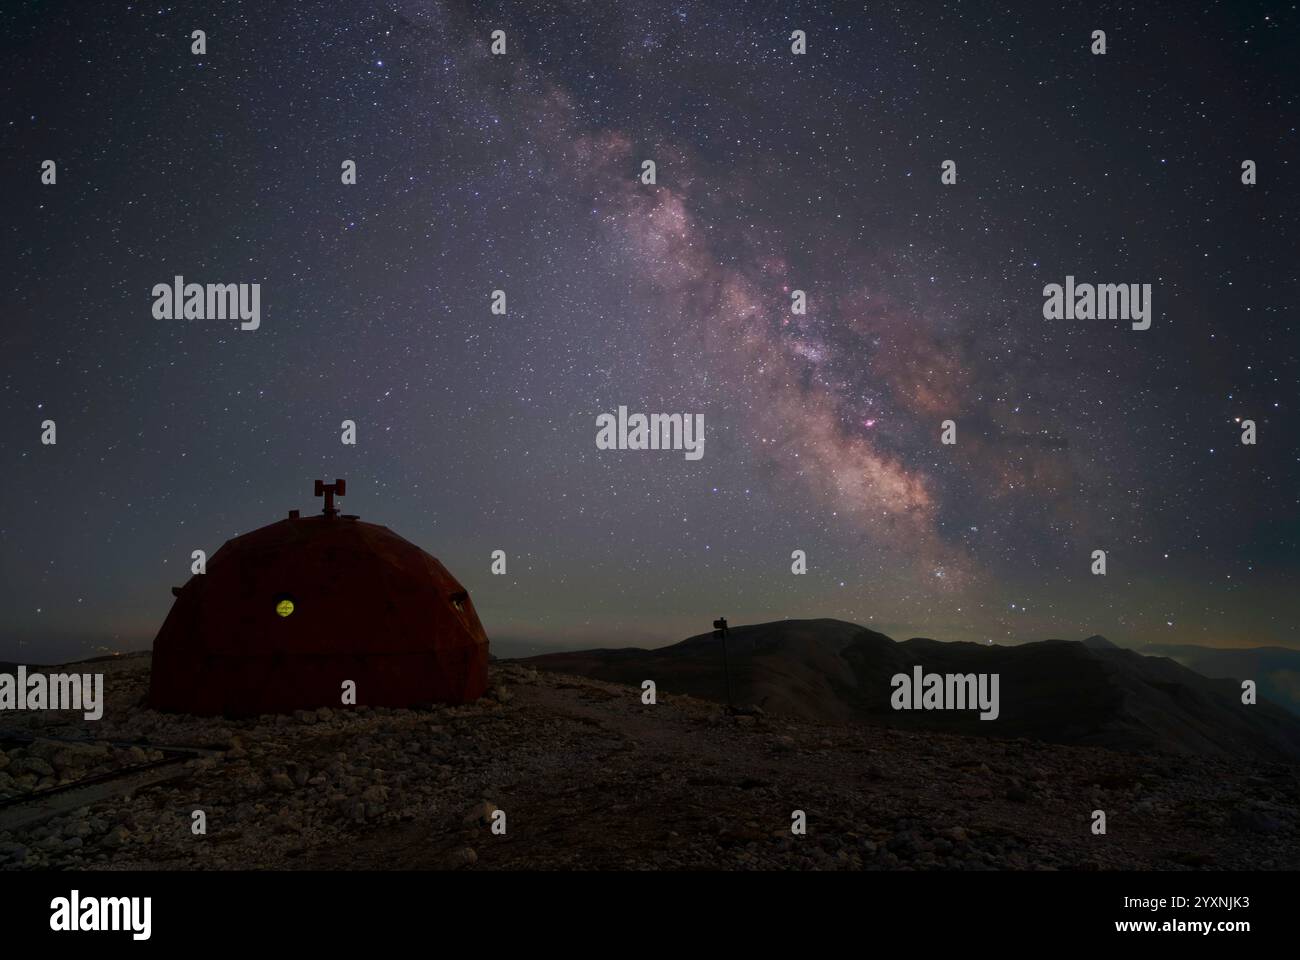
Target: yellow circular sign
[284, 608]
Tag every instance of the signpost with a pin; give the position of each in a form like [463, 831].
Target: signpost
[720, 633]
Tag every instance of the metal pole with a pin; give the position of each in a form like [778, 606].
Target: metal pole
[721, 633]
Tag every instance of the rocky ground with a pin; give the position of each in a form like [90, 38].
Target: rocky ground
[590, 778]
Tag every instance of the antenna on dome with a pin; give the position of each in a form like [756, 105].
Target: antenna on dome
[328, 491]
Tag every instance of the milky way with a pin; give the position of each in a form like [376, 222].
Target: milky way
[775, 173]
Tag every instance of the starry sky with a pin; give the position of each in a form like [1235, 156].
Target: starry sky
[775, 172]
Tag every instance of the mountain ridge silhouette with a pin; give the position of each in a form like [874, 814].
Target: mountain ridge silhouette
[1089, 692]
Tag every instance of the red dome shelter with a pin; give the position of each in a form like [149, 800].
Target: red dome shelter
[287, 614]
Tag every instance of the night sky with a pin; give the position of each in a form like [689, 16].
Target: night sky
[776, 172]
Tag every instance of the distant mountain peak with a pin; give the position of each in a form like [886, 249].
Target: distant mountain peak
[1098, 642]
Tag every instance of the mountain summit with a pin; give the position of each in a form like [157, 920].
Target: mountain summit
[1089, 693]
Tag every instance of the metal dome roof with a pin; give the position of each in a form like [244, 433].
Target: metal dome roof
[287, 613]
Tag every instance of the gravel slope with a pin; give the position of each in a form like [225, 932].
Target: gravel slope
[589, 777]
